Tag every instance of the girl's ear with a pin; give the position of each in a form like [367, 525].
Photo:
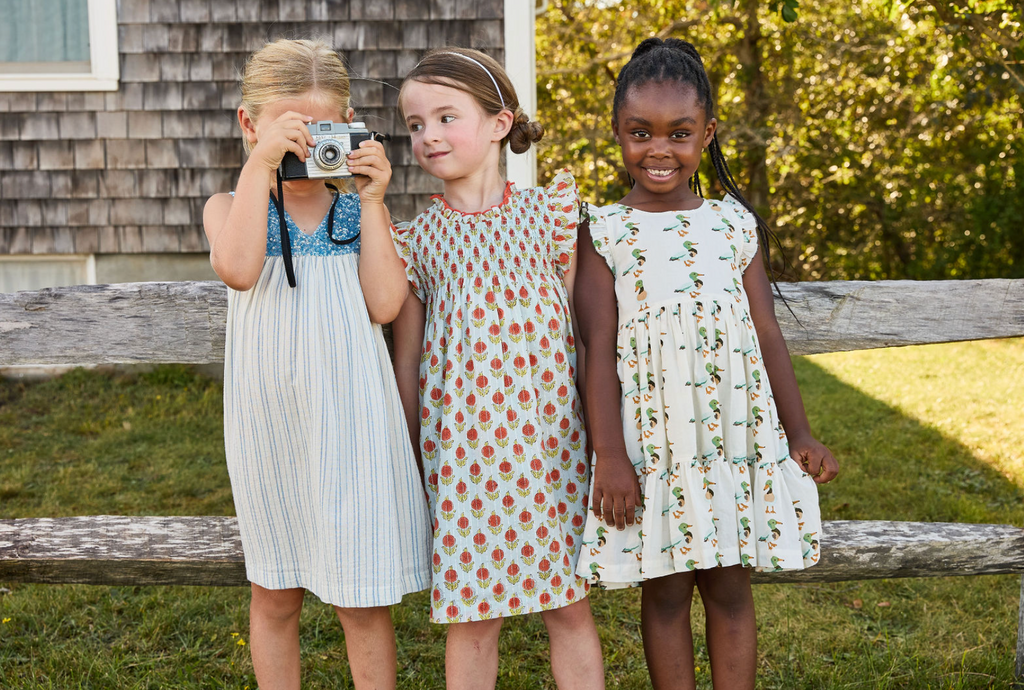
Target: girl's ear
[248, 125]
[349, 114]
[709, 131]
[502, 125]
[615, 129]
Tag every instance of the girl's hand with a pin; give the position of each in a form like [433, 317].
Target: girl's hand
[286, 133]
[815, 459]
[372, 166]
[616, 490]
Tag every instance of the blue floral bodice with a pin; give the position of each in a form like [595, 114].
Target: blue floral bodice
[346, 225]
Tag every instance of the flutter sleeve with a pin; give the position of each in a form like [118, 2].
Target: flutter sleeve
[403, 237]
[599, 235]
[562, 203]
[744, 220]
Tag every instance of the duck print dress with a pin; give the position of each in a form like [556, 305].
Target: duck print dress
[323, 475]
[698, 417]
[501, 433]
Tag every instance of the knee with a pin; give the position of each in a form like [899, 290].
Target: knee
[362, 618]
[278, 604]
[572, 617]
[727, 592]
[671, 595]
[482, 632]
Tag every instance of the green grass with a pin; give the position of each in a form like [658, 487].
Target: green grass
[926, 433]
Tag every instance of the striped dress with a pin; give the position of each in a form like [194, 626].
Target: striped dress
[323, 475]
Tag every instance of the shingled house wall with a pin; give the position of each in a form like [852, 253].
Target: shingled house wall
[128, 172]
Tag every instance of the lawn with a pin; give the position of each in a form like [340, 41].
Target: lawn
[923, 433]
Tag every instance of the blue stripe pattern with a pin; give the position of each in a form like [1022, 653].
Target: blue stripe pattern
[325, 483]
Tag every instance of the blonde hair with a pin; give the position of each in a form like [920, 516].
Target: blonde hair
[449, 67]
[290, 68]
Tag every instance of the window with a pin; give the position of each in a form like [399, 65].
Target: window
[58, 45]
[28, 272]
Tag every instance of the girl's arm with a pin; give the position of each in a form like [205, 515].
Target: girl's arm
[569, 279]
[237, 226]
[407, 330]
[381, 273]
[616, 491]
[815, 458]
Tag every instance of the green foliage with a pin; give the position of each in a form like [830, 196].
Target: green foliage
[891, 134]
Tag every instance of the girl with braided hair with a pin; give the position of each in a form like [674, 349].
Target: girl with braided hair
[485, 362]
[704, 463]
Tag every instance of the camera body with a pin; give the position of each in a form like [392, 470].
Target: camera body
[333, 142]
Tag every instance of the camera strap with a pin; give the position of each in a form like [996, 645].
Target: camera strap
[286, 241]
[330, 220]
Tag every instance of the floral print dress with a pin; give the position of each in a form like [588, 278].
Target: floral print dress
[501, 430]
[698, 417]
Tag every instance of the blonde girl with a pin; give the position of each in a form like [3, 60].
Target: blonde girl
[324, 479]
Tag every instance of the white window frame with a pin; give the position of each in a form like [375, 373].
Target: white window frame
[521, 67]
[103, 59]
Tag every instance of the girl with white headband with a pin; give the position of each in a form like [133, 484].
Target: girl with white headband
[486, 361]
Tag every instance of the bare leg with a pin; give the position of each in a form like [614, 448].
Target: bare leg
[668, 639]
[370, 641]
[576, 660]
[471, 657]
[274, 637]
[731, 628]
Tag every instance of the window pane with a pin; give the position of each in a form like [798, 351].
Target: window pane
[36, 274]
[44, 31]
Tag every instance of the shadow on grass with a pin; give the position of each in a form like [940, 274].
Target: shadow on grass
[92, 443]
[894, 467]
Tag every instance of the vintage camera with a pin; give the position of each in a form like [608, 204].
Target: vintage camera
[334, 141]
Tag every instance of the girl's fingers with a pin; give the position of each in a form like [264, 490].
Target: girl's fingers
[299, 150]
[595, 504]
[810, 463]
[829, 470]
[630, 512]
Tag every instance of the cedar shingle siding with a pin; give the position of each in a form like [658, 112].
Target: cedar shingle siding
[129, 171]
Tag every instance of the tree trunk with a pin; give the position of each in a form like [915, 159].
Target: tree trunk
[754, 145]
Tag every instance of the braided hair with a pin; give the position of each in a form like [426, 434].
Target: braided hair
[675, 60]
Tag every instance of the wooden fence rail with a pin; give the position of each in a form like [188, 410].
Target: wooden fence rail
[120, 550]
[184, 322]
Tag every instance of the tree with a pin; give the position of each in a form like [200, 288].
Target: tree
[888, 144]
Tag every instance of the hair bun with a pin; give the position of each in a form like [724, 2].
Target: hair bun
[524, 133]
[647, 45]
[684, 47]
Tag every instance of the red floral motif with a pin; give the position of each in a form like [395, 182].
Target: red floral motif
[499, 416]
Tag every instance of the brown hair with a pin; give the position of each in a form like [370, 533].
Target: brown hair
[290, 69]
[445, 68]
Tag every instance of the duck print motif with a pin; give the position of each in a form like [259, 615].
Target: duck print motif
[699, 419]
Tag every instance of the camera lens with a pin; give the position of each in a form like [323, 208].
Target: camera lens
[329, 155]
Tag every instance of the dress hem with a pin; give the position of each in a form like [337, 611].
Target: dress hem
[584, 588]
[620, 578]
[365, 597]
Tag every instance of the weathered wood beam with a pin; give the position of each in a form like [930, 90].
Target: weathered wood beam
[122, 550]
[869, 549]
[837, 316]
[114, 324]
[1018, 671]
[118, 550]
[184, 322]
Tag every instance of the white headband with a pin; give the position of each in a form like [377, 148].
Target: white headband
[493, 80]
